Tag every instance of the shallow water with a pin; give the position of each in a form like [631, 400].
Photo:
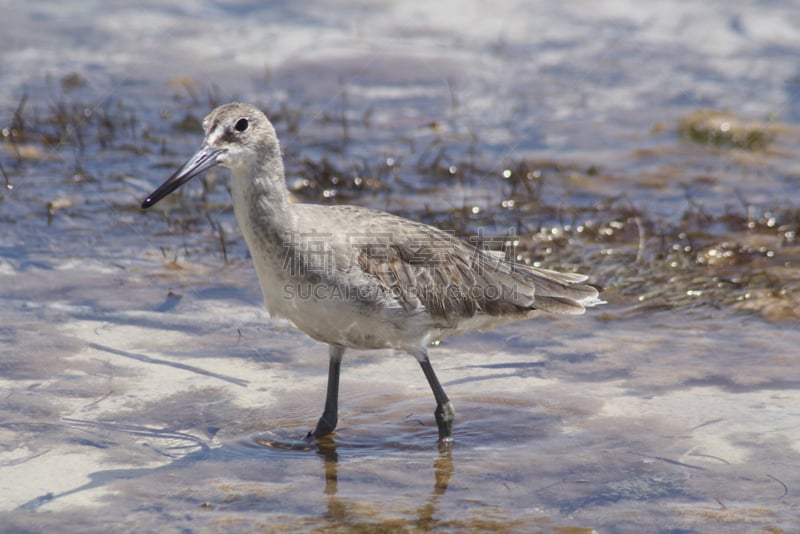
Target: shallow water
[144, 387]
[180, 419]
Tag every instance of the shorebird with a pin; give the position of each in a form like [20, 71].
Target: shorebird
[359, 278]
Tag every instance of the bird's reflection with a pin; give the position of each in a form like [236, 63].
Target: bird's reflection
[442, 471]
[340, 513]
[326, 449]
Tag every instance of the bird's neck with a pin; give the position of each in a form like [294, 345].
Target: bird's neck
[261, 200]
[266, 219]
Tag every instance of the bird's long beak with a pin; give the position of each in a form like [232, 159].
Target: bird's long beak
[204, 159]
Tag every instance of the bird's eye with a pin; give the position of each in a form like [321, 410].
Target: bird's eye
[242, 124]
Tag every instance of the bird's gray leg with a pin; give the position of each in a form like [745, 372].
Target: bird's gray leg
[327, 423]
[445, 413]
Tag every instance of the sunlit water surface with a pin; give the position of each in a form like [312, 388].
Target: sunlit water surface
[144, 389]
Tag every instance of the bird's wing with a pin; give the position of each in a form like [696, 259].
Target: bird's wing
[421, 267]
[424, 266]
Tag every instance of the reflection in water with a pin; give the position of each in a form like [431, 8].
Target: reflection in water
[442, 471]
[342, 514]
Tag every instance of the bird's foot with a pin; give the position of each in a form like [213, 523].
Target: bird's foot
[324, 429]
[444, 414]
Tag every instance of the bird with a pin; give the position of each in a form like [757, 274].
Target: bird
[358, 278]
